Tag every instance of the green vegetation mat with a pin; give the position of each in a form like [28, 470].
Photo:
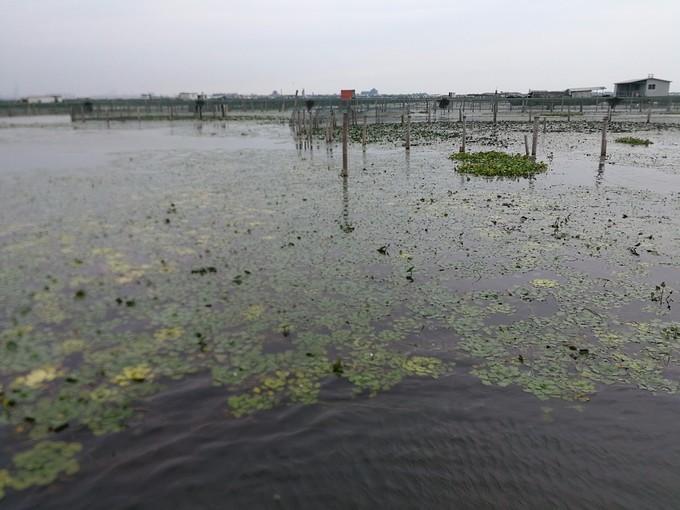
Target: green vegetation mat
[497, 164]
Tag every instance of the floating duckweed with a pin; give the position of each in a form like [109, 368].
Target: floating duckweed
[105, 394]
[498, 374]
[424, 366]
[138, 373]
[304, 388]
[71, 345]
[249, 403]
[632, 140]
[41, 465]
[253, 312]
[497, 164]
[168, 333]
[544, 283]
[554, 386]
[38, 377]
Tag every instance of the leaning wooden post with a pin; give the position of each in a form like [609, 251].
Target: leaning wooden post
[603, 146]
[364, 135]
[345, 123]
[534, 140]
[462, 145]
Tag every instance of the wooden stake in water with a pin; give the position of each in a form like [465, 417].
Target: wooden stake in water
[495, 108]
[603, 146]
[408, 130]
[545, 127]
[364, 135]
[526, 145]
[462, 145]
[310, 131]
[534, 140]
[345, 126]
[649, 113]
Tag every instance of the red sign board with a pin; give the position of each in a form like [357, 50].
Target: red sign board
[347, 94]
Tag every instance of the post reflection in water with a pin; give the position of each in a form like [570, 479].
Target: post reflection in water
[599, 177]
[345, 223]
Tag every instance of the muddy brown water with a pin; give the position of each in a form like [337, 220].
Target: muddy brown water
[295, 249]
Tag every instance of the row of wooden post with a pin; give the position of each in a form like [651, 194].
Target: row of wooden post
[330, 130]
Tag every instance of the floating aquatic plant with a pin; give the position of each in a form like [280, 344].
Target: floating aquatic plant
[497, 164]
[41, 465]
[632, 140]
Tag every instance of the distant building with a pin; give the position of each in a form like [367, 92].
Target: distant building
[224, 95]
[546, 93]
[41, 99]
[369, 93]
[646, 87]
[584, 91]
[188, 96]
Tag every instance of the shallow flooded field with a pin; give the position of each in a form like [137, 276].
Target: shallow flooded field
[204, 316]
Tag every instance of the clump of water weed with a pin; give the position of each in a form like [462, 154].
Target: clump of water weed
[631, 140]
[497, 164]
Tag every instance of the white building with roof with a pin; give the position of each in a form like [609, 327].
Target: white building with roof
[645, 87]
[42, 99]
[583, 91]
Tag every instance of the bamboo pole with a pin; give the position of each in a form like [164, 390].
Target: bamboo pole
[462, 145]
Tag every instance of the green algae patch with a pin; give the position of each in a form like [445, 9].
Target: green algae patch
[497, 164]
[632, 140]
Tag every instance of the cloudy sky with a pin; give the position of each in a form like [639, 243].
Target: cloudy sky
[119, 47]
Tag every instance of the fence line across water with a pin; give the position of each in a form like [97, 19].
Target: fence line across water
[388, 109]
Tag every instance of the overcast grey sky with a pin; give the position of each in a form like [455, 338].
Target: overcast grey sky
[95, 47]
